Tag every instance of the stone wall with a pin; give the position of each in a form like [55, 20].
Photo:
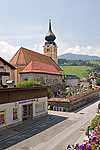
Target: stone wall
[52, 80]
[72, 82]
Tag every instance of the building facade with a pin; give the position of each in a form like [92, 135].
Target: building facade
[50, 57]
[6, 72]
[21, 104]
[72, 80]
[24, 57]
[45, 73]
[50, 47]
[74, 102]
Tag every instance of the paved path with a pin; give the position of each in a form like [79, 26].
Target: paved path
[69, 131]
[27, 129]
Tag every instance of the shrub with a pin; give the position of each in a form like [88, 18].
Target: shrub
[95, 121]
[36, 83]
[98, 81]
[28, 83]
[49, 107]
[50, 93]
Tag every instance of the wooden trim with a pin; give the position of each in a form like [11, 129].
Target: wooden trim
[10, 95]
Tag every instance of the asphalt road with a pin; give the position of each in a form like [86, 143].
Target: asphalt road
[27, 130]
[66, 128]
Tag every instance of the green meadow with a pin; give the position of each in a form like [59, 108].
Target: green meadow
[80, 71]
[94, 62]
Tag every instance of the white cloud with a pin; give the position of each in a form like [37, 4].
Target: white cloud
[7, 50]
[85, 50]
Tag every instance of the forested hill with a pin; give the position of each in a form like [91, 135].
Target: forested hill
[70, 56]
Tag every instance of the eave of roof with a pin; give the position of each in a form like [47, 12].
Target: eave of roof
[4, 61]
[56, 64]
[60, 100]
[73, 98]
[35, 71]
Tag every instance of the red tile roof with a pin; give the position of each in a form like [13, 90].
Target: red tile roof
[39, 67]
[25, 56]
[58, 100]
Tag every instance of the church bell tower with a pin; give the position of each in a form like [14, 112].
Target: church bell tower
[50, 47]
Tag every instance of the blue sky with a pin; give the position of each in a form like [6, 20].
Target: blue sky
[76, 24]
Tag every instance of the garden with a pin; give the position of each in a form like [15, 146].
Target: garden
[73, 91]
[93, 137]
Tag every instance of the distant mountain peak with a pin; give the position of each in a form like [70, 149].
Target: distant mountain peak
[71, 56]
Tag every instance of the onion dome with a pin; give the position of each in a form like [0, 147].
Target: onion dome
[50, 37]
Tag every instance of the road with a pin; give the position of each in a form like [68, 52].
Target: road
[26, 130]
[68, 130]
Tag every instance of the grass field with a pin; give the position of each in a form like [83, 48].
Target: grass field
[80, 71]
[94, 62]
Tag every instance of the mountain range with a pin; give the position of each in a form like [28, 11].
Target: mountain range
[70, 56]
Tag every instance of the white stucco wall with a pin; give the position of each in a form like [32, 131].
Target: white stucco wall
[8, 108]
[34, 102]
[41, 101]
[4, 79]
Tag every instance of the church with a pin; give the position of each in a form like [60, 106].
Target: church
[31, 65]
[50, 47]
